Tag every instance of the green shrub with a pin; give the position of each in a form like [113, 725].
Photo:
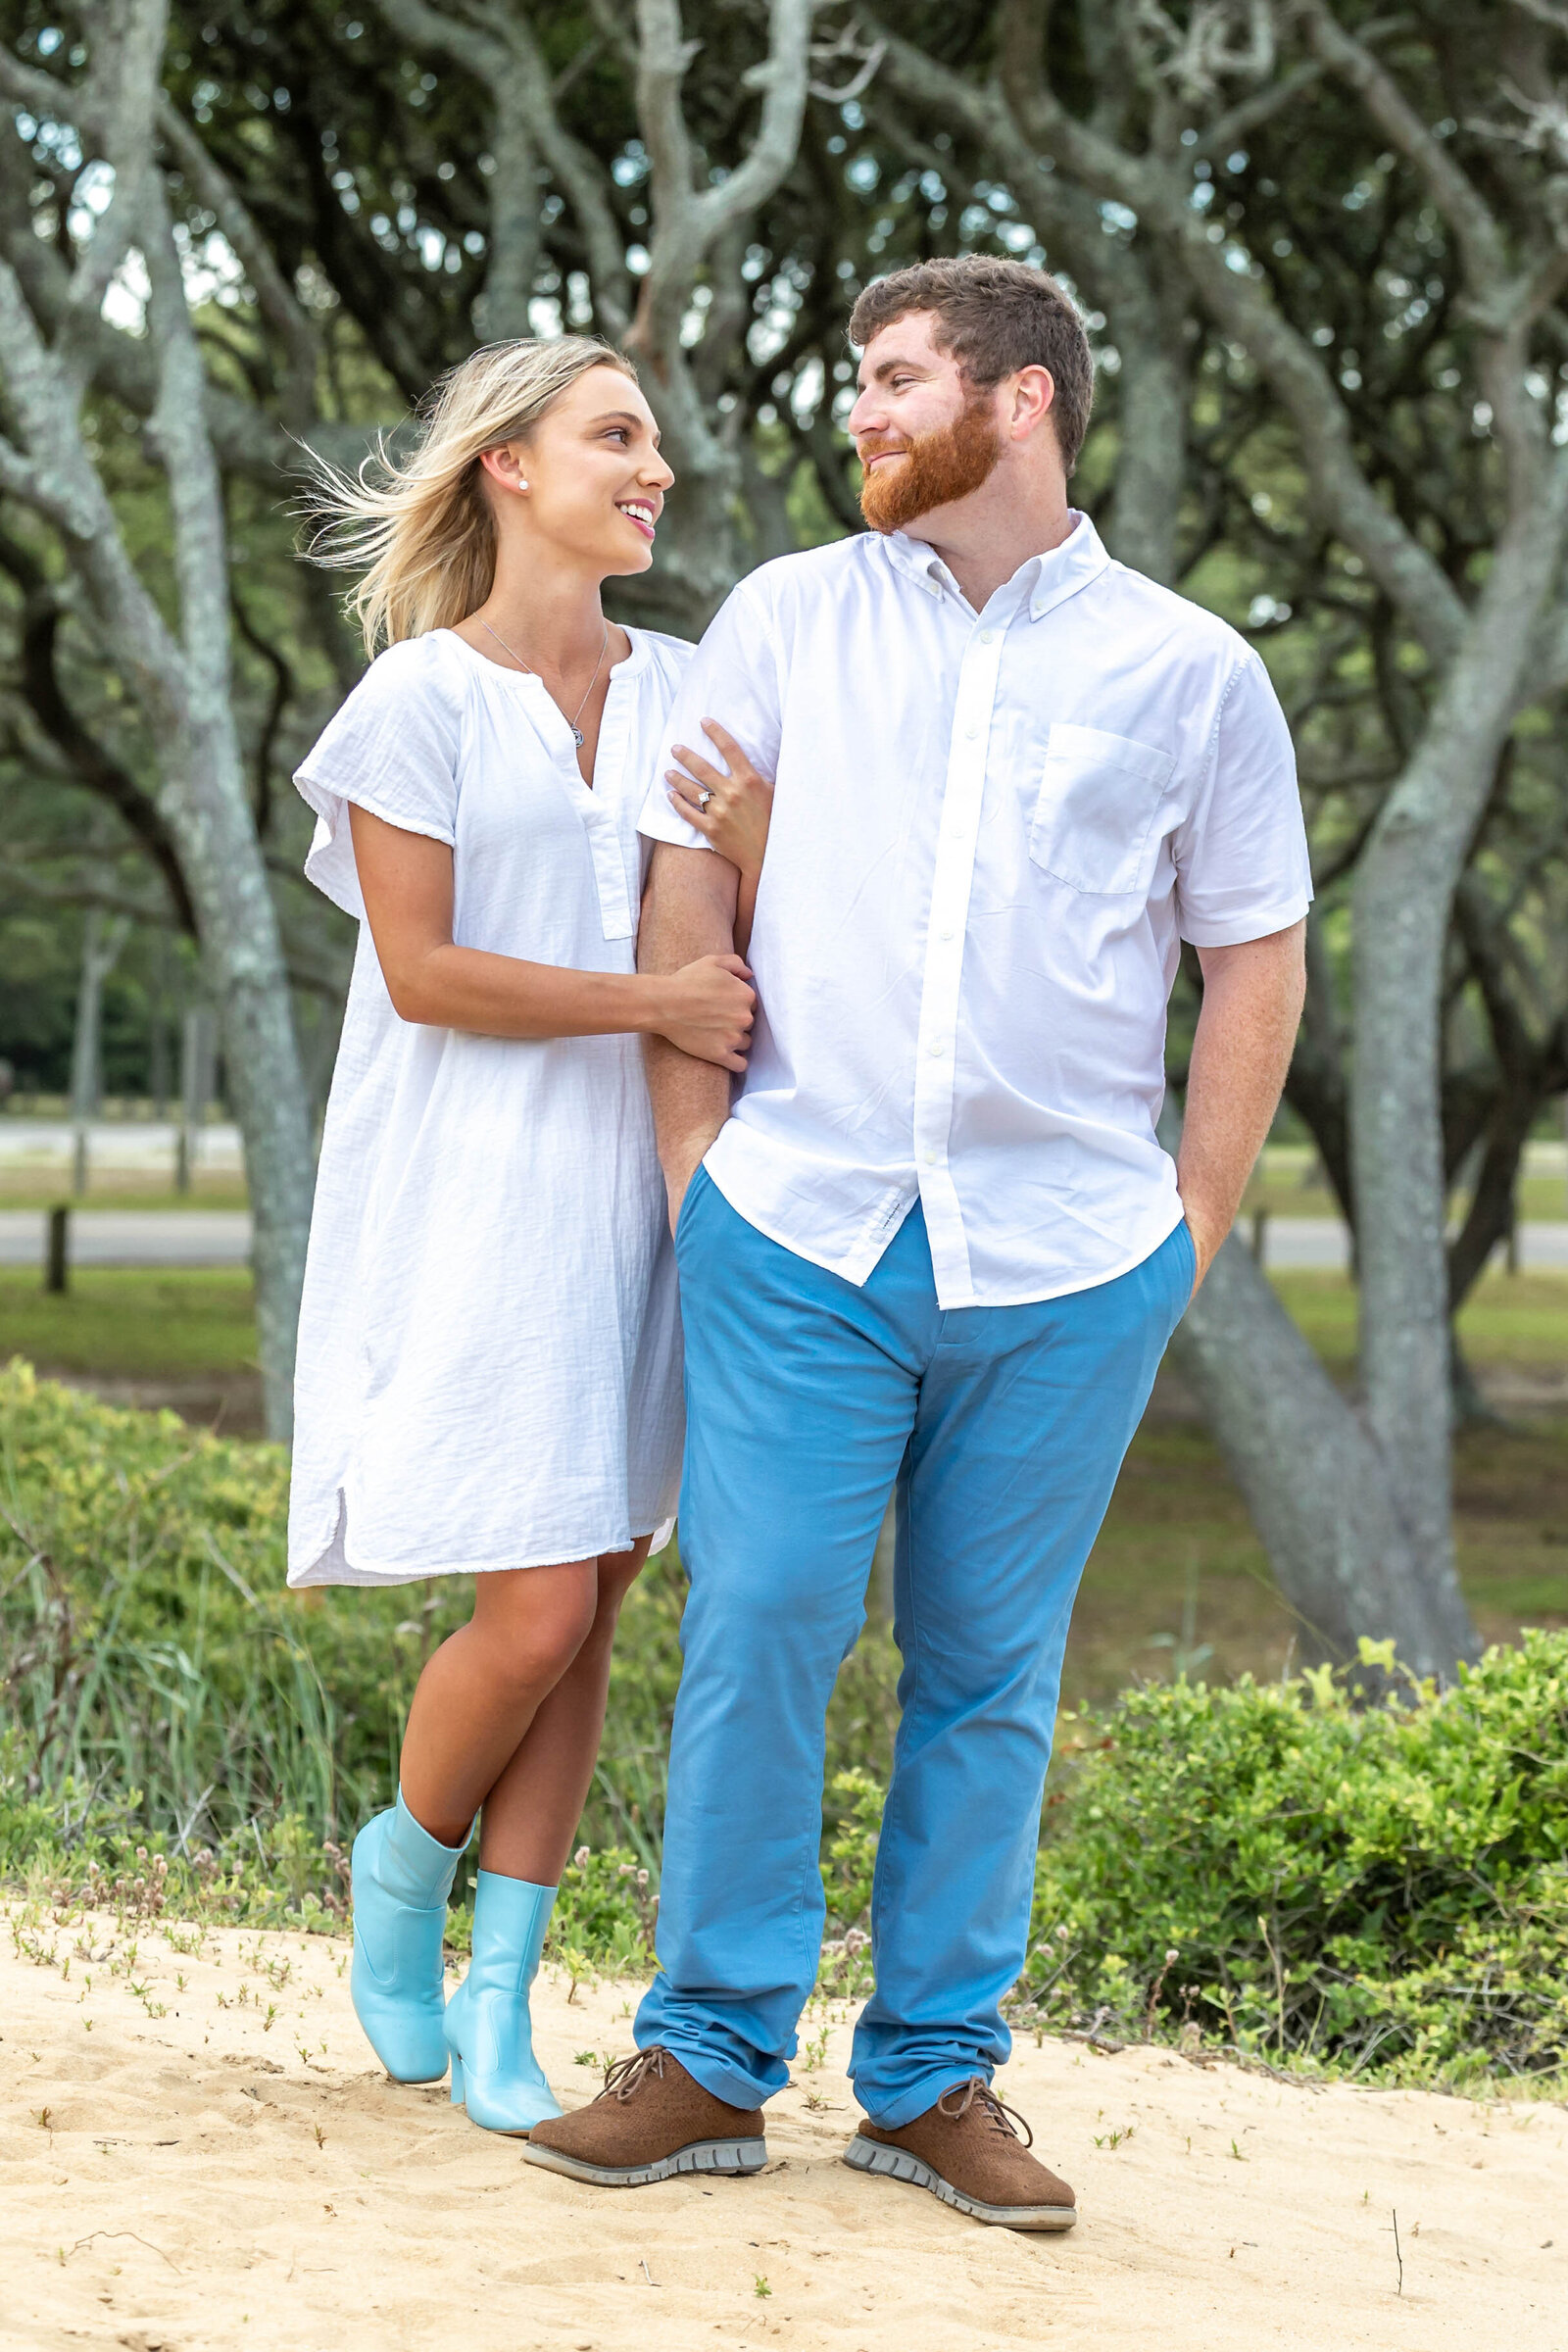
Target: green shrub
[1384, 1890]
[163, 1686]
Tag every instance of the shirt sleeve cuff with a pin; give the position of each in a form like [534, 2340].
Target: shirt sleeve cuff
[659, 822]
[1234, 930]
[327, 800]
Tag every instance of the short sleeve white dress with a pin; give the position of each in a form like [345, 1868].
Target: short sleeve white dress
[489, 1351]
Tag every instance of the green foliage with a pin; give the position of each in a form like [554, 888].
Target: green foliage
[163, 1684]
[73, 1849]
[148, 1643]
[856, 1798]
[1380, 1890]
[1383, 1889]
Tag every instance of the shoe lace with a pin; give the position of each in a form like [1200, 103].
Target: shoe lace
[977, 2092]
[626, 2077]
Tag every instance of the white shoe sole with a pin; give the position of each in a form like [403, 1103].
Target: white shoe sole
[897, 2164]
[702, 2156]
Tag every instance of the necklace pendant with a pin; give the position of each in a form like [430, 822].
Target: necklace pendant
[576, 737]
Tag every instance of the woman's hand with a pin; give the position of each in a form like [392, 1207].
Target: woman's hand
[730, 810]
[707, 1011]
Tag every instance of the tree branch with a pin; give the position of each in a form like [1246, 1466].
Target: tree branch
[212, 187]
[503, 54]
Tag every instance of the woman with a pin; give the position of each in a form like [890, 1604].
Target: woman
[489, 1349]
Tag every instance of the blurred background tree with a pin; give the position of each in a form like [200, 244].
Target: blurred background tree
[1323, 256]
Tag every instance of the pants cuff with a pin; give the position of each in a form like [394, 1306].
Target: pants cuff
[891, 2112]
[720, 2081]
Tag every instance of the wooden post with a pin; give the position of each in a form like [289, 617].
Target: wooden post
[1259, 1234]
[57, 1262]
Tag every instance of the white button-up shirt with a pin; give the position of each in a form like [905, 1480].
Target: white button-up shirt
[991, 833]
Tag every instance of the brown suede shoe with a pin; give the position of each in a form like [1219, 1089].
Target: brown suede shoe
[650, 2121]
[966, 2152]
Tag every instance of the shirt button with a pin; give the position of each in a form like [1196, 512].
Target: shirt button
[987, 636]
[930, 1159]
[971, 732]
[945, 934]
[935, 1047]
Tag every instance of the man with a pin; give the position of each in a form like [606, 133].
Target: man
[936, 1242]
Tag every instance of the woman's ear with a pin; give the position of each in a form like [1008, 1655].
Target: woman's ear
[504, 467]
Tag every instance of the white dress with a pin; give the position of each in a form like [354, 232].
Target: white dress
[489, 1370]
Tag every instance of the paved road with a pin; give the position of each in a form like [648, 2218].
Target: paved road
[1304, 1242]
[221, 1237]
[132, 1237]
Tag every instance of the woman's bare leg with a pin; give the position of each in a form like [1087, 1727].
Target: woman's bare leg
[531, 1813]
[482, 1689]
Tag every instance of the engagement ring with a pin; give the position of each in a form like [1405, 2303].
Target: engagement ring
[703, 797]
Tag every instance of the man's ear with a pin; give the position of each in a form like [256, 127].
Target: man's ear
[1034, 389]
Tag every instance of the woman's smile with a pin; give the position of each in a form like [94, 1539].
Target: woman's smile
[642, 512]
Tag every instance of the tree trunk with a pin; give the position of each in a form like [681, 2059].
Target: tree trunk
[1312, 1477]
[1402, 903]
[1308, 1472]
[1153, 391]
[242, 960]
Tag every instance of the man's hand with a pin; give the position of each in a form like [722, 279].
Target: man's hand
[680, 1169]
[1253, 995]
[1208, 1233]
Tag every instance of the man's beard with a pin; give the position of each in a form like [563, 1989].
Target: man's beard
[933, 471]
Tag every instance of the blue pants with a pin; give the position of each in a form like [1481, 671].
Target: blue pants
[1005, 1429]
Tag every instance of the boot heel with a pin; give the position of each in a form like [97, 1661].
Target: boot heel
[501, 2085]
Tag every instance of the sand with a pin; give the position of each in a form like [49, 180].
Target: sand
[198, 2151]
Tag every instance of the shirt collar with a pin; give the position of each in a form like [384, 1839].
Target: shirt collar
[1043, 580]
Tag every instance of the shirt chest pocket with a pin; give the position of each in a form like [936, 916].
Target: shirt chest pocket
[1094, 822]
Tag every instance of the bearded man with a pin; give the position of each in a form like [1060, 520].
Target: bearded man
[935, 1244]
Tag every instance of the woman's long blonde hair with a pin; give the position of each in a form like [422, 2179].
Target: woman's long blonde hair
[418, 528]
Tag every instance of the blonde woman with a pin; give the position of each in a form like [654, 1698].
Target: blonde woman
[489, 1350]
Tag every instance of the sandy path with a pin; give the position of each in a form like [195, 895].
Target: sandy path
[178, 2173]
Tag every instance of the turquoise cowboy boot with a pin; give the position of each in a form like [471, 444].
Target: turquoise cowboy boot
[494, 2071]
[401, 1878]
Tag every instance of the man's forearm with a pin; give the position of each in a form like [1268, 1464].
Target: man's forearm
[1245, 1032]
[688, 911]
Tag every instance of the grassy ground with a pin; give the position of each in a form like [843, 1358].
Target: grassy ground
[24, 1187]
[149, 1325]
[1508, 1318]
[1178, 1575]
[1283, 1194]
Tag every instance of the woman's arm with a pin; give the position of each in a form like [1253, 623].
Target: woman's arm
[733, 818]
[406, 883]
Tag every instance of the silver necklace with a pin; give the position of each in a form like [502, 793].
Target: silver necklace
[576, 731]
